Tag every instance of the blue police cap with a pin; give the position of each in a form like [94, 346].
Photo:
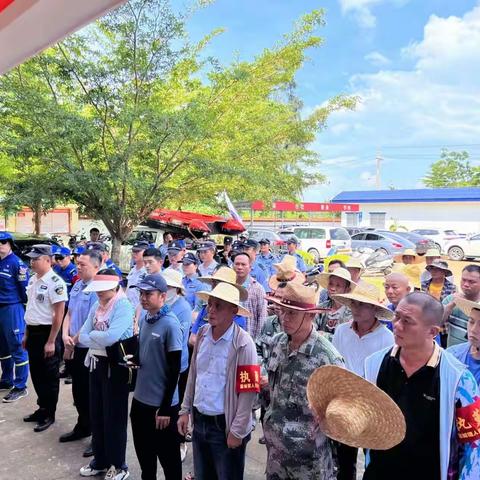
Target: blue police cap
[63, 251]
[140, 245]
[190, 258]
[79, 249]
[208, 245]
[6, 236]
[153, 282]
[176, 246]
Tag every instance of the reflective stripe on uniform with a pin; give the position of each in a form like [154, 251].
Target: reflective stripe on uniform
[5, 358]
[21, 364]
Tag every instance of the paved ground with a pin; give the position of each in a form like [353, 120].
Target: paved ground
[39, 456]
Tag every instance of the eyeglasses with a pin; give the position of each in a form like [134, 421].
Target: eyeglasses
[4, 242]
[59, 257]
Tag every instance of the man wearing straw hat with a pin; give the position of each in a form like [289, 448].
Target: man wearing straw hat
[408, 264]
[356, 341]
[430, 255]
[438, 396]
[297, 449]
[335, 313]
[221, 389]
[439, 286]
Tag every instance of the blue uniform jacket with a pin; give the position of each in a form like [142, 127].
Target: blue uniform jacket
[13, 280]
[193, 285]
[67, 274]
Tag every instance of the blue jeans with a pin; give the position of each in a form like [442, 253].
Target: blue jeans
[212, 459]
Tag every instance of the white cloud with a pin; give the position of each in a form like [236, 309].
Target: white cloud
[368, 178]
[362, 10]
[377, 59]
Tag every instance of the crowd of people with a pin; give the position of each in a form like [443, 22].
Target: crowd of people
[203, 341]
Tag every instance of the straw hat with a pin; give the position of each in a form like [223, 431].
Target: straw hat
[433, 252]
[296, 296]
[324, 277]
[353, 411]
[173, 278]
[286, 272]
[466, 306]
[228, 293]
[354, 262]
[365, 295]
[102, 283]
[342, 257]
[226, 275]
[410, 253]
[440, 265]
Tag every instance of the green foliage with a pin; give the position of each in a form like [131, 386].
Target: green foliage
[130, 116]
[452, 170]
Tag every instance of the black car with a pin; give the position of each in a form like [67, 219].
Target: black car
[24, 242]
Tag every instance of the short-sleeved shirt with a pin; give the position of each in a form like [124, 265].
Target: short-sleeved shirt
[456, 312]
[205, 271]
[156, 340]
[183, 311]
[192, 285]
[42, 294]
[79, 306]
[418, 396]
[474, 366]
[133, 278]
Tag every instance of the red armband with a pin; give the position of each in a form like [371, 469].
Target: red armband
[248, 378]
[468, 422]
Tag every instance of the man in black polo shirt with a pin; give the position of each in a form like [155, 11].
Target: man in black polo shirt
[436, 395]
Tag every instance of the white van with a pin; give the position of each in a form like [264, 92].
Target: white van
[318, 241]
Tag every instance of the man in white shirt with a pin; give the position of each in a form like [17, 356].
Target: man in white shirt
[137, 273]
[47, 294]
[356, 341]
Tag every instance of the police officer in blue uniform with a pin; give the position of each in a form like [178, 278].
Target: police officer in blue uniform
[190, 280]
[77, 251]
[13, 358]
[258, 272]
[64, 267]
[107, 261]
[266, 258]
[292, 244]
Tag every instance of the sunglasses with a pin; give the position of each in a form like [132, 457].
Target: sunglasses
[4, 242]
[59, 257]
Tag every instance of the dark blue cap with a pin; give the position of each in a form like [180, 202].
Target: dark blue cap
[140, 245]
[6, 236]
[227, 240]
[209, 245]
[79, 249]
[264, 241]
[190, 258]
[237, 245]
[40, 250]
[292, 240]
[176, 246]
[250, 243]
[98, 246]
[153, 282]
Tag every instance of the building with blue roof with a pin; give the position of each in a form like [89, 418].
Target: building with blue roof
[451, 208]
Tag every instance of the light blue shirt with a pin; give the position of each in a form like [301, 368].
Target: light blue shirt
[183, 311]
[212, 373]
[192, 285]
[79, 307]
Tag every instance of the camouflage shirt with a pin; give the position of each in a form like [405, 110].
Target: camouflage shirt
[326, 322]
[296, 446]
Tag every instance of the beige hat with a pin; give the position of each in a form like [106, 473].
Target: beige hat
[228, 293]
[466, 306]
[324, 277]
[286, 272]
[296, 296]
[433, 252]
[226, 275]
[354, 262]
[365, 295]
[173, 278]
[440, 265]
[353, 411]
[408, 252]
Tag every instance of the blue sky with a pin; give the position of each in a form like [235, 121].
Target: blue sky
[415, 64]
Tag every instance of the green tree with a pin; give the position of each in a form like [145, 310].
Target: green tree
[452, 170]
[131, 116]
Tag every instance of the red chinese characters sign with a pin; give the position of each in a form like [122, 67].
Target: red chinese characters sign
[468, 422]
[248, 378]
[314, 207]
[4, 4]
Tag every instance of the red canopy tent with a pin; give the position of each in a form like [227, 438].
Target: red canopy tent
[195, 223]
[29, 26]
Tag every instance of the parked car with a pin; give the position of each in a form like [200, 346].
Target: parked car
[463, 248]
[318, 241]
[422, 244]
[354, 230]
[440, 237]
[277, 243]
[383, 242]
[25, 241]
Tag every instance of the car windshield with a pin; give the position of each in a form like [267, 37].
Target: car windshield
[286, 235]
[339, 234]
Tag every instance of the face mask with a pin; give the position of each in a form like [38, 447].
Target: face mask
[171, 296]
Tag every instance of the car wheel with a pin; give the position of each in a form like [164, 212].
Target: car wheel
[438, 247]
[315, 253]
[455, 253]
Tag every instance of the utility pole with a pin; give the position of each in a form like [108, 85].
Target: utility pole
[379, 160]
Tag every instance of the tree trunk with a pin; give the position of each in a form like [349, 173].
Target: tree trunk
[116, 246]
[37, 219]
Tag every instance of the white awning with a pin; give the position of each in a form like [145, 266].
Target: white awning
[29, 26]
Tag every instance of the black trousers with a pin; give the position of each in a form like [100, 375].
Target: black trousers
[80, 389]
[151, 443]
[109, 414]
[43, 371]
[346, 462]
